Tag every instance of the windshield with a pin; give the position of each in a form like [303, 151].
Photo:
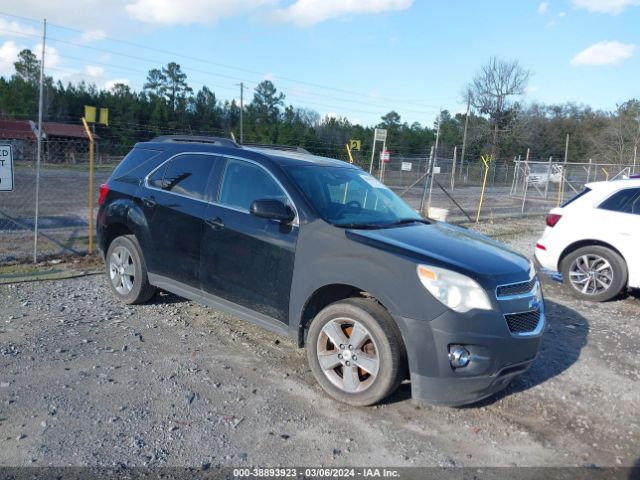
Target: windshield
[350, 197]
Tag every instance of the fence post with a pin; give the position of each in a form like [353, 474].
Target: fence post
[635, 156]
[453, 167]
[40, 102]
[426, 181]
[526, 182]
[91, 200]
[435, 160]
[546, 186]
[485, 159]
[513, 181]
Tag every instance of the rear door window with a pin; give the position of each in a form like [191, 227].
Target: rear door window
[243, 183]
[635, 205]
[188, 175]
[621, 201]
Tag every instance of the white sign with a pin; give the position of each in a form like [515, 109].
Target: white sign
[436, 170]
[380, 135]
[6, 168]
[405, 166]
[385, 155]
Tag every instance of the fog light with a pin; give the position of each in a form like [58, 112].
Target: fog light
[458, 356]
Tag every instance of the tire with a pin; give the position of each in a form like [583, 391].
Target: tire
[376, 364]
[594, 273]
[127, 272]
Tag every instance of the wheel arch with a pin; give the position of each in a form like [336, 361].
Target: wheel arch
[121, 217]
[111, 232]
[325, 296]
[587, 243]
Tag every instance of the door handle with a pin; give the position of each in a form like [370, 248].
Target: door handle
[149, 201]
[215, 223]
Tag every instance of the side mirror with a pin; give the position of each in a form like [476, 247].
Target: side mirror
[272, 210]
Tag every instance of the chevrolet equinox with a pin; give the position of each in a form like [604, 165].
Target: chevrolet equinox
[319, 250]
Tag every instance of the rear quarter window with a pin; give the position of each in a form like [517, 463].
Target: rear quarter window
[576, 197]
[621, 201]
[135, 159]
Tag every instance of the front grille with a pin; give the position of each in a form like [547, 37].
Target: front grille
[516, 288]
[525, 322]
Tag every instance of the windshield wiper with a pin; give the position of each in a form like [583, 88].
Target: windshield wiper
[404, 221]
[360, 226]
[373, 226]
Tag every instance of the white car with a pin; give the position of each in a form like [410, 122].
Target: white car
[593, 240]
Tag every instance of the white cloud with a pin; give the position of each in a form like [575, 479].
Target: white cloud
[13, 29]
[94, 71]
[613, 7]
[562, 14]
[604, 53]
[8, 55]
[310, 12]
[109, 84]
[83, 15]
[184, 12]
[543, 8]
[92, 35]
[51, 55]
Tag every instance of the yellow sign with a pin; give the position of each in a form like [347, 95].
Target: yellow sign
[355, 144]
[90, 114]
[104, 116]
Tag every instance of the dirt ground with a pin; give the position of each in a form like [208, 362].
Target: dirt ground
[87, 381]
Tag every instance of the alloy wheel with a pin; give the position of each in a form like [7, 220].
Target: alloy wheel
[122, 270]
[591, 274]
[348, 355]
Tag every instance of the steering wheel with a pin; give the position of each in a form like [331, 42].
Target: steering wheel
[349, 204]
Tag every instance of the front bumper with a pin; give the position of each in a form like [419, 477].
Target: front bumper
[497, 356]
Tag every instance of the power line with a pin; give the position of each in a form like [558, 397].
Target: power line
[230, 67]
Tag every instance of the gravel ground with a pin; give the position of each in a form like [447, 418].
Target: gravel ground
[86, 381]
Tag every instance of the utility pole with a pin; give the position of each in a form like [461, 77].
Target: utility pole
[242, 87]
[426, 181]
[566, 149]
[453, 167]
[464, 136]
[39, 150]
[435, 160]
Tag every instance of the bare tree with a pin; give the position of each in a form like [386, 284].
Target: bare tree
[493, 87]
[620, 136]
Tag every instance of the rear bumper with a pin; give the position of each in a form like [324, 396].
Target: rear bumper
[546, 259]
[497, 356]
[549, 272]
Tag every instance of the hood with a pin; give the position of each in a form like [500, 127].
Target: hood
[443, 244]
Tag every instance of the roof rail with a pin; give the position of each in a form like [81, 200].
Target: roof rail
[222, 142]
[269, 146]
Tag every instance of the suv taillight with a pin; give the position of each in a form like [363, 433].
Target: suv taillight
[552, 219]
[104, 189]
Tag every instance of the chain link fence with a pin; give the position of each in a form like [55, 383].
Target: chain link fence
[63, 207]
[453, 191]
[552, 183]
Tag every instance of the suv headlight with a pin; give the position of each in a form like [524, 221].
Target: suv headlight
[456, 291]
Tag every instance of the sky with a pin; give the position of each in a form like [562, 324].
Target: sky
[350, 58]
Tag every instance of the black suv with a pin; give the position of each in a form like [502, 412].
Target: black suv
[321, 251]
